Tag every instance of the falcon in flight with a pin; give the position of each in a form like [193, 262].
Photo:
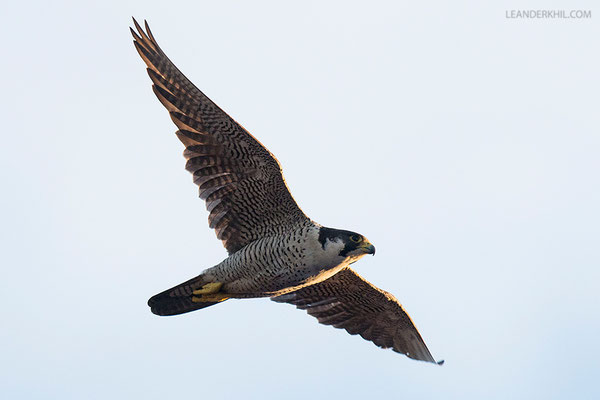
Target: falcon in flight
[274, 249]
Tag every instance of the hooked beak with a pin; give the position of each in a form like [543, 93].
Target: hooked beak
[368, 248]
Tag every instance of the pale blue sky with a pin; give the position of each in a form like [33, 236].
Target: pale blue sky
[464, 145]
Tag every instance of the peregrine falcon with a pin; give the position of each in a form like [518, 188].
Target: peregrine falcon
[274, 249]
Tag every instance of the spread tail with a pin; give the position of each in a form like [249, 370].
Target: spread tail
[182, 299]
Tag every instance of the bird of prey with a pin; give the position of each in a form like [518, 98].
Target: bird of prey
[274, 249]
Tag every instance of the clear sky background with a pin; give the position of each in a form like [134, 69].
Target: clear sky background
[464, 145]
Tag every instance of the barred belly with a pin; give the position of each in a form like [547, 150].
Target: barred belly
[275, 265]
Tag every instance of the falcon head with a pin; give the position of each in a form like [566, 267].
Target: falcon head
[348, 244]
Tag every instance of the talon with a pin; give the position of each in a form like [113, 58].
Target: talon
[209, 288]
[209, 298]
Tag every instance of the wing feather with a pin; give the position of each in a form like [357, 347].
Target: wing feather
[349, 302]
[240, 180]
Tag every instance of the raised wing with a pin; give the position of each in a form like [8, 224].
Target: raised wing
[239, 178]
[348, 301]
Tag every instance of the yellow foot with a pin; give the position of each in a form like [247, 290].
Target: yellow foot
[209, 298]
[209, 288]
[209, 293]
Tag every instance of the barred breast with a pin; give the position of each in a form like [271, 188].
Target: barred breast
[276, 264]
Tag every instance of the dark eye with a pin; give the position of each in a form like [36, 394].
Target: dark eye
[356, 238]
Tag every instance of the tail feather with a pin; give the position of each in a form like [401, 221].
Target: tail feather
[178, 299]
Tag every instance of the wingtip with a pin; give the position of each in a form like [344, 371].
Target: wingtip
[149, 31]
[135, 23]
[136, 37]
[441, 362]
